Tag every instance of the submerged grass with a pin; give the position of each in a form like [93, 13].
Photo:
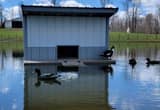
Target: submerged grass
[18, 45]
[131, 45]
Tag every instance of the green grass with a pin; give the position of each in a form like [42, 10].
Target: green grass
[11, 34]
[17, 34]
[125, 37]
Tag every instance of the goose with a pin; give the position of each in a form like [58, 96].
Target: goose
[45, 76]
[152, 61]
[108, 53]
[132, 62]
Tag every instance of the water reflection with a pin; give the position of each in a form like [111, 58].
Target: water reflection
[85, 89]
[106, 87]
[135, 88]
[50, 82]
[11, 81]
[107, 69]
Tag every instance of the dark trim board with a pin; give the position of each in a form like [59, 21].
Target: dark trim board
[50, 53]
[68, 11]
[60, 62]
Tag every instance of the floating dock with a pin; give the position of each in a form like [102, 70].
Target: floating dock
[72, 62]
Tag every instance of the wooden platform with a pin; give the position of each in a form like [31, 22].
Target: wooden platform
[72, 62]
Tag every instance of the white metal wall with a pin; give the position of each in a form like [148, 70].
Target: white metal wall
[50, 31]
[8, 24]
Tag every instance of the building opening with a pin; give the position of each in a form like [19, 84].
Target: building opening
[67, 52]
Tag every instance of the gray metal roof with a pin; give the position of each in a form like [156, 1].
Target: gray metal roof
[68, 11]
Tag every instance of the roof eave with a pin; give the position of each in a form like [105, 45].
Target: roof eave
[68, 11]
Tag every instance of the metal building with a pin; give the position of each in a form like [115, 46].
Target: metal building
[52, 33]
[13, 23]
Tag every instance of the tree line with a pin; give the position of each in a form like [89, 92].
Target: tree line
[132, 21]
[135, 20]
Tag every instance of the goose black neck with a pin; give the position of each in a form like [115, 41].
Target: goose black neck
[148, 60]
[38, 72]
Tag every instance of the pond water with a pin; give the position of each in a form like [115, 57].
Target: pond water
[87, 88]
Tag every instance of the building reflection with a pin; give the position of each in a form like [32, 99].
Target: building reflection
[2, 58]
[80, 88]
[9, 60]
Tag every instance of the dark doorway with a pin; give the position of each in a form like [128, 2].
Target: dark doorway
[67, 52]
[67, 69]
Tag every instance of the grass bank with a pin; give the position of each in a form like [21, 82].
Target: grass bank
[11, 34]
[133, 37]
[17, 34]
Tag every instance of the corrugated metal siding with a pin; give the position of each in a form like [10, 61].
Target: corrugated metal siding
[50, 31]
[50, 53]
[40, 53]
[91, 52]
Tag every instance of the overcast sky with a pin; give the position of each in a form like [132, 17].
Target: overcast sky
[11, 9]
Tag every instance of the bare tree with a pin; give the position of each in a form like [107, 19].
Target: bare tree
[131, 8]
[134, 14]
[104, 2]
[19, 8]
[142, 24]
[156, 26]
[126, 4]
[149, 24]
[157, 20]
[53, 2]
[1, 16]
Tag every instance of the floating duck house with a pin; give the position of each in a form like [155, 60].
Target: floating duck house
[52, 33]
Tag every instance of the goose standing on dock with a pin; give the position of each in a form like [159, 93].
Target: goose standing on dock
[152, 62]
[108, 53]
[45, 76]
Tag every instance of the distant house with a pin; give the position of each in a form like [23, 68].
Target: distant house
[52, 33]
[13, 23]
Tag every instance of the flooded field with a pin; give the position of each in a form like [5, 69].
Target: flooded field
[87, 88]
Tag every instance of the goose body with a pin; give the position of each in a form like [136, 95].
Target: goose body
[49, 82]
[108, 53]
[152, 61]
[45, 76]
[132, 62]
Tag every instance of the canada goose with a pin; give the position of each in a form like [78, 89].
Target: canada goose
[132, 62]
[108, 53]
[152, 61]
[45, 76]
